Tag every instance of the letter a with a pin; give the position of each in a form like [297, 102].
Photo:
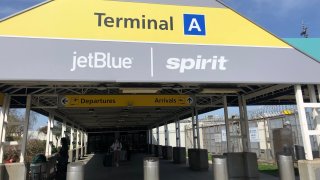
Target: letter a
[194, 24]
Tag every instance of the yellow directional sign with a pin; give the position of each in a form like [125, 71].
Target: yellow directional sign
[90, 101]
[1, 99]
[287, 112]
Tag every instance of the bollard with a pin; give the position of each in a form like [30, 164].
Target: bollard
[219, 166]
[75, 171]
[286, 169]
[151, 168]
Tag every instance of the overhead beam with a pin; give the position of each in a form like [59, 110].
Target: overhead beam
[266, 91]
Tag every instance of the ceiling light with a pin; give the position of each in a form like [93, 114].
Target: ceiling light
[139, 90]
[219, 91]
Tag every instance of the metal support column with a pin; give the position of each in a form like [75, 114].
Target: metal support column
[303, 122]
[49, 135]
[193, 129]
[77, 143]
[3, 124]
[177, 125]
[226, 119]
[158, 143]
[71, 137]
[150, 136]
[64, 129]
[244, 124]
[25, 129]
[197, 128]
[85, 143]
[166, 135]
[315, 115]
[81, 143]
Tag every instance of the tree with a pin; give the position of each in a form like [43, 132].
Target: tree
[56, 132]
[16, 123]
[35, 147]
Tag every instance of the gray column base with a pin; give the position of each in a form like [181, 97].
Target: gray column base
[16, 171]
[198, 159]
[309, 170]
[149, 150]
[179, 155]
[153, 149]
[167, 152]
[158, 151]
[242, 165]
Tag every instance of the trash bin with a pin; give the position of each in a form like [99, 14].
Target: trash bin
[38, 167]
[286, 169]
[220, 169]
[75, 171]
[38, 171]
[151, 168]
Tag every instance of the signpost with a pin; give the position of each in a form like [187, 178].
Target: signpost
[90, 101]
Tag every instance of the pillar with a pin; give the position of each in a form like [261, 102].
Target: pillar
[77, 143]
[158, 143]
[244, 124]
[166, 135]
[25, 129]
[193, 129]
[3, 124]
[177, 126]
[81, 143]
[197, 128]
[303, 122]
[49, 135]
[150, 136]
[64, 129]
[71, 137]
[315, 116]
[85, 143]
[226, 119]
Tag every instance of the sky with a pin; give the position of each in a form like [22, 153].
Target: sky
[282, 17]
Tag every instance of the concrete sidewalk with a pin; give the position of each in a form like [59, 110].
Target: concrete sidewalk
[133, 170]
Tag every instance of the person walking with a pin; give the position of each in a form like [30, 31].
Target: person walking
[116, 147]
[63, 160]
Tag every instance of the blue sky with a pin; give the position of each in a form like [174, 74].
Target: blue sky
[282, 17]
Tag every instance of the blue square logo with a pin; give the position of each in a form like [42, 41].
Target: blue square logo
[194, 24]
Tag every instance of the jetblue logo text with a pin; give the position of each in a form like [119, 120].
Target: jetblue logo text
[194, 24]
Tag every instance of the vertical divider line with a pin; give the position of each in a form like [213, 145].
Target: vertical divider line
[151, 49]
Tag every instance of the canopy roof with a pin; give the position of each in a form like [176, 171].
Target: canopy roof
[310, 46]
[188, 43]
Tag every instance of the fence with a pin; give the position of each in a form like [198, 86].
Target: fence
[213, 135]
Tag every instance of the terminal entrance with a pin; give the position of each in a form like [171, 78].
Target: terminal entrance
[95, 127]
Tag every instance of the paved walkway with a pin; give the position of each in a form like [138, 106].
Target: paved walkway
[133, 170]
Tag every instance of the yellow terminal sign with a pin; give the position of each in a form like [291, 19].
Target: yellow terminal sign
[1, 99]
[89, 101]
